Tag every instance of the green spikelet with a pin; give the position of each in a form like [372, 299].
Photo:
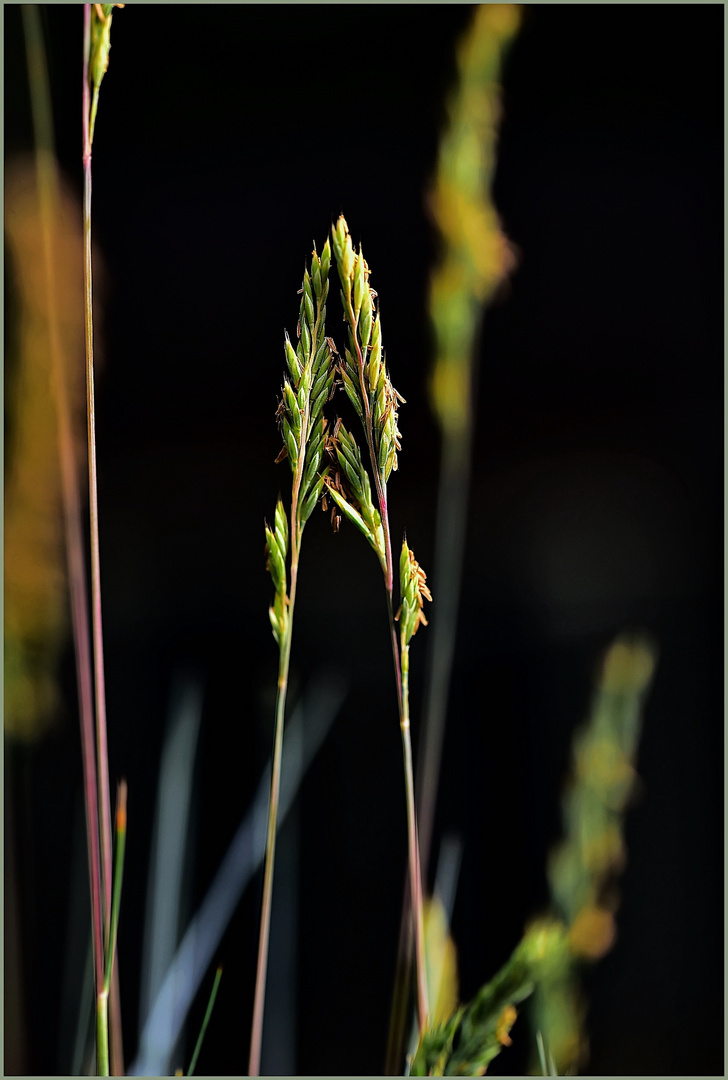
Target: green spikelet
[277, 552]
[364, 360]
[413, 593]
[312, 374]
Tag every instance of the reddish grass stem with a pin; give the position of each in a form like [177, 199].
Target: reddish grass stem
[103, 803]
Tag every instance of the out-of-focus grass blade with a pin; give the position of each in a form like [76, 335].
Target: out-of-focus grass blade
[547, 1069]
[243, 858]
[169, 841]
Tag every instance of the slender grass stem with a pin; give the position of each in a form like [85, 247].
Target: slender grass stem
[102, 1015]
[102, 1033]
[118, 878]
[102, 763]
[102, 1000]
[98, 643]
[414, 851]
[455, 472]
[261, 969]
[205, 1022]
[270, 845]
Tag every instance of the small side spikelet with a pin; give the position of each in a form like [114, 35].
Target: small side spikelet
[99, 56]
[276, 540]
[413, 591]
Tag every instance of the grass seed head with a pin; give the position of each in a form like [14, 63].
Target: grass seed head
[312, 372]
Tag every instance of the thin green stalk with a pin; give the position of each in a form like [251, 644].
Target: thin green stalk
[414, 851]
[102, 794]
[102, 1000]
[303, 428]
[118, 878]
[102, 1033]
[98, 642]
[205, 1022]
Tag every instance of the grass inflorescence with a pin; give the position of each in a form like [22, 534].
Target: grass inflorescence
[327, 463]
[366, 380]
[307, 386]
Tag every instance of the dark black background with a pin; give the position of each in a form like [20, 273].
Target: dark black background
[228, 138]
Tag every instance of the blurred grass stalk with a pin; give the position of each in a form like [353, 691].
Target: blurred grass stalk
[547, 961]
[475, 259]
[582, 868]
[166, 882]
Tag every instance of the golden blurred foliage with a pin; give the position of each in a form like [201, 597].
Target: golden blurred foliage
[506, 1020]
[46, 275]
[442, 965]
[592, 932]
[628, 666]
[476, 255]
[583, 866]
